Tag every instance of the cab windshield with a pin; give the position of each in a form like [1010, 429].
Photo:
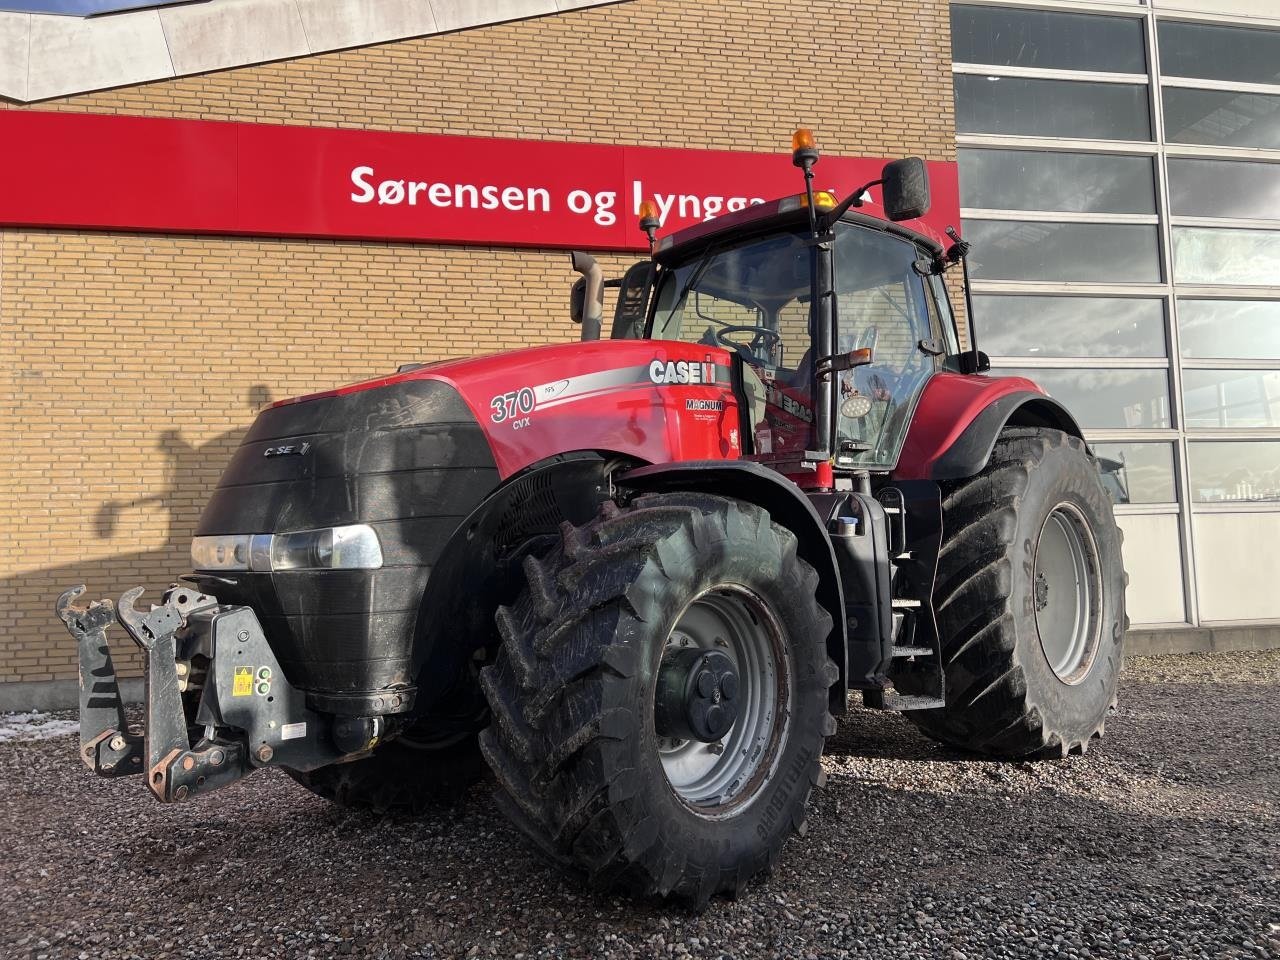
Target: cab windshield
[753, 299]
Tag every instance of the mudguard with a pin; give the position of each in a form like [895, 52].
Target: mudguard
[959, 419]
[789, 506]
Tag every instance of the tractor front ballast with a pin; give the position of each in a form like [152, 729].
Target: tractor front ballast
[217, 704]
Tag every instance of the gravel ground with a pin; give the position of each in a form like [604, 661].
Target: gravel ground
[1163, 842]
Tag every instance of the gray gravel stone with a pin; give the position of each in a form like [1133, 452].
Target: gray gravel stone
[1162, 842]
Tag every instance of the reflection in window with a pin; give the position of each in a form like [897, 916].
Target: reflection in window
[1213, 52]
[1105, 399]
[1234, 329]
[1212, 255]
[1224, 471]
[1137, 472]
[1070, 326]
[1063, 252]
[1050, 180]
[1224, 188]
[1051, 108]
[1221, 118]
[1041, 38]
[1231, 398]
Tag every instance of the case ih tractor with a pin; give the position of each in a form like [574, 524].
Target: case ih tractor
[635, 578]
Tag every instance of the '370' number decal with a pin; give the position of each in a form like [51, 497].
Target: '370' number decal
[517, 403]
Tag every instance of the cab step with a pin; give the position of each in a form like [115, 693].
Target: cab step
[903, 702]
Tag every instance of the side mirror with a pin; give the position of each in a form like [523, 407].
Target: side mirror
[906, 189]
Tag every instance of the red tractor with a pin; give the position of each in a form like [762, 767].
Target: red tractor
[635, 578]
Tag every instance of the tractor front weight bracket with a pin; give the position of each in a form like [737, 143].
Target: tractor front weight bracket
[217, 704]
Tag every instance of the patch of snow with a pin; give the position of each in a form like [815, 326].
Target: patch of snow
[34, 726]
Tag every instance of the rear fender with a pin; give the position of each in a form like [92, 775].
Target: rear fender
[745, 480]
[959, 419]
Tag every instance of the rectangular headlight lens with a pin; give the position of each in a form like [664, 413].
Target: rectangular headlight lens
[332, 548]
[220, 553]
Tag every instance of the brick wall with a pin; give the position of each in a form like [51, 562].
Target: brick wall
[131, 364]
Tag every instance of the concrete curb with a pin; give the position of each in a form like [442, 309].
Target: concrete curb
[56, 694]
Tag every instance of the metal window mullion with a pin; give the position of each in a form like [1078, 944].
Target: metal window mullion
[1055, 288]
[1200, 291]
[1047, 73]
[1225, 223]
[1131, 435]
[1065, 6]
[1145, 509]
[1226, 20]
[1228, 86]
[1182, 475]
[1226, 434]
[1204, 151]
[1006, 141]
[1056, 216]
[1077, 363]
[1228, 363]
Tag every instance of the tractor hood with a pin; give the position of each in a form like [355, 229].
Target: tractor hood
[411, 456]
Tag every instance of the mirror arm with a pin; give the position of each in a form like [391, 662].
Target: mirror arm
[959, 252]
[852, 200]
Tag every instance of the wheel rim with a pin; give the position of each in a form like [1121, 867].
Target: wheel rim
[717, 779]
[1066, 590]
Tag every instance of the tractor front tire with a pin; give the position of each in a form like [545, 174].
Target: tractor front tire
[1029, 602]
[628, 638]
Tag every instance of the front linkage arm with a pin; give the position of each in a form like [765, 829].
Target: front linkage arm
[217, 704]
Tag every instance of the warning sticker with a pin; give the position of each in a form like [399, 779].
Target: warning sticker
[242, 685]
[293, 731]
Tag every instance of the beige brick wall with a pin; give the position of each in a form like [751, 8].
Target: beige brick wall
[131, 364]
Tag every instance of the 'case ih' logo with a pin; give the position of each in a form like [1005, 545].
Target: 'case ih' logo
[682, 371]
[290, 450]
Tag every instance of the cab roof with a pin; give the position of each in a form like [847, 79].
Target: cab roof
[762, 218]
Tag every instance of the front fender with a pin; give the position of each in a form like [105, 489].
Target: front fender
[787, 505]
[959, 419]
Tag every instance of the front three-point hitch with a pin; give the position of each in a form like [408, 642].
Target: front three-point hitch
[217, 704]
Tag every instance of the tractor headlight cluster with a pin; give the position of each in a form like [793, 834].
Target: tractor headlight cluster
[331, 548]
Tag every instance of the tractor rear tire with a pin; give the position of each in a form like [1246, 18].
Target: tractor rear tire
[1029, 602]
[586, 764]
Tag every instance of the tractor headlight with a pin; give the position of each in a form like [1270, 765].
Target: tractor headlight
[331, 548]
[220, 553]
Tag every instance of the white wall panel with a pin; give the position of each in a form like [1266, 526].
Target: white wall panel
[1153, 560]
[1238, 565]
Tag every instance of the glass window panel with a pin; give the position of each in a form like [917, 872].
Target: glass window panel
[1231, 398]
[1137, 472]
[1042, 38]
[1221, 118]
[1051, 108]
[1063, 252]
[1237, 470]
[1212, 255]
[1219, 52]
[1049, 180]
[1070, 326]
[1236, 329]
[1224, 188]
[1106, 399]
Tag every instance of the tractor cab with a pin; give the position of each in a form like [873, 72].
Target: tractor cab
[749, 288]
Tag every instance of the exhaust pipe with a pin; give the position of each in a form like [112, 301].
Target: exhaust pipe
[592, 315]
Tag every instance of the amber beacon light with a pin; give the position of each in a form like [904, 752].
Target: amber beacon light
[649, 220]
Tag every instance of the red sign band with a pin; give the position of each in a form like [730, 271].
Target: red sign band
[92, 171]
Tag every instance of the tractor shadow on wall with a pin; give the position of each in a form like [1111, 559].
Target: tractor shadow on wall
[190, 473]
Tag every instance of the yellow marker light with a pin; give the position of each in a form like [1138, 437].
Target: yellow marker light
[823, 200]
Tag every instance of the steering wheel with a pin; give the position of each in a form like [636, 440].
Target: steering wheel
[762, 342]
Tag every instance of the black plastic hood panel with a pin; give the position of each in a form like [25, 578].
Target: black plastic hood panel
[410, 460]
